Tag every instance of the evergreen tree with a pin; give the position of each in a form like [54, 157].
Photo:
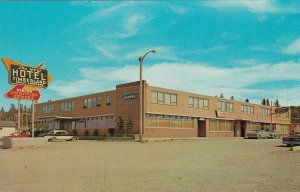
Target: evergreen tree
[267, 102]
[247, 100]
[11, 115]
[263, 101]
[231, 98]
[276, 103]
[221, 96]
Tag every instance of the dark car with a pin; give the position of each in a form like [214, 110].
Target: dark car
[292, 139]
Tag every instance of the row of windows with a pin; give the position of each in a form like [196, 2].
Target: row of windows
[47, 109]
[198, 103]
[163, 98]
[67, 106]
[201, 103]
[247, 109]
[286, 114]
[168, 121]
[220, 125]
[92, 102]
[225, 106]
[264, 111]
[70, 105]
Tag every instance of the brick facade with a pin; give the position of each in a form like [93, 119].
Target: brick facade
[172, 114]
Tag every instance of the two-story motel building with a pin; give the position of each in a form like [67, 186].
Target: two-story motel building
[168, 113]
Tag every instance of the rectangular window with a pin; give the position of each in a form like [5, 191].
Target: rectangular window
[62, 106]
[47, 109]
[163, 98]
[89, 103]
[212, 125]
[167, 98]
[265, 112]
[201, 103]
[98, 102]
[225, 106]
[94, 102]
[196, 104]
[154, 97]
[66, 106]
[160, 98]
[191, 102]
[205, 103]
[108, 100]
[247, 109]
[84, 103]
[173, 99]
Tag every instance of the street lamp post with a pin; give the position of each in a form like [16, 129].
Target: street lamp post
[141, 58]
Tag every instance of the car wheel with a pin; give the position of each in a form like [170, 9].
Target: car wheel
[73, 139]
[53, 139]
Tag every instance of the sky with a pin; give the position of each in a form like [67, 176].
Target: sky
[245, 49]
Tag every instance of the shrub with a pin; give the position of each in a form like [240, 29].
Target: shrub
[86, 133]
[96, 133]
[111, 131]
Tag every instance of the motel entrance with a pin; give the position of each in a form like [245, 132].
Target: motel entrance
[201, 127]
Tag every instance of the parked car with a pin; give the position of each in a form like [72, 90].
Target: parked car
[292, 139]
[275, 135]
[258, 134]
[18, 135]
[56, 135]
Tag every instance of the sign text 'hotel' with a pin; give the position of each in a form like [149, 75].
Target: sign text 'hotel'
[28, 76]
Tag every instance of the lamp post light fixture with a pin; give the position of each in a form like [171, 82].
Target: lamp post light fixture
[141, 58]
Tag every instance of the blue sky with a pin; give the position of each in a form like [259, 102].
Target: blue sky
[245, 49]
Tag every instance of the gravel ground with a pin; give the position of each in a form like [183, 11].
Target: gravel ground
[213, 164]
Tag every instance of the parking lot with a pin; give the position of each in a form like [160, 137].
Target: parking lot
[212, 164]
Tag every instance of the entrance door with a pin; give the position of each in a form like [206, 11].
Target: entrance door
[201, 127]
[243, 128]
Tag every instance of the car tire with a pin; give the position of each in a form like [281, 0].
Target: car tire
[53, 139]
[73, 139]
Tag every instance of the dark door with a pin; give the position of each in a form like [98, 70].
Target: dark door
[201, 127]
[234, 129]
[243, 128]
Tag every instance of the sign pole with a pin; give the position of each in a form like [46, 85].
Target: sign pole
[32, 120]
[19, 114]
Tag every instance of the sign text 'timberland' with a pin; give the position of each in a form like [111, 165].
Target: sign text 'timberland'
[28, 76]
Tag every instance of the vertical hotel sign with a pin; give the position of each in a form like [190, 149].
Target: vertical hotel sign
[27, 80]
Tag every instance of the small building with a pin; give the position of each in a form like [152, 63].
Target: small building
[7, 127]
[167, 113]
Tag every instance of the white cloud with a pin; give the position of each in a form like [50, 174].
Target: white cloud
[257, 6]
[211, 49]
[132, 25]
[293, 48]
[103, 12]
[191, 77]
[84, 59]
[258, 48]
[107, 51]
[178, 9]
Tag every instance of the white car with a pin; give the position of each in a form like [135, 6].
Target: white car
[258, 134]
[56, 135]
